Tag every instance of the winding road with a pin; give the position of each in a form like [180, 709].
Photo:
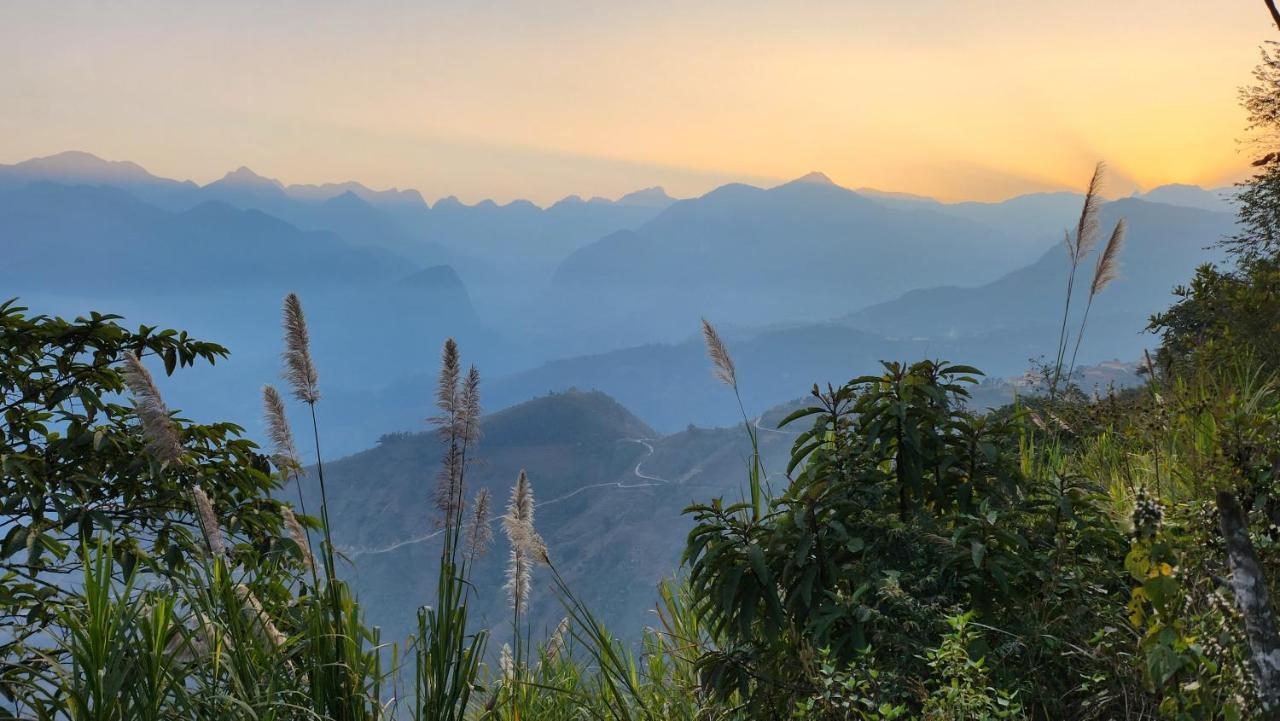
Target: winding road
[646, 481]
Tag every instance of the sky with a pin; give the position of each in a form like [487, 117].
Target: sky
[982, 99]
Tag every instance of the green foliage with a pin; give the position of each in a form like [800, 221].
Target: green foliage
[962, 692]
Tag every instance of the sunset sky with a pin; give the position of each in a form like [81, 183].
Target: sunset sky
[981, 99]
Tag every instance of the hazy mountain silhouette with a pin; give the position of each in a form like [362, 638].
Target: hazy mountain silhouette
[1220, 200]
[771, 263]
[80, 168]
[220, 272]
[752, 255]
[1163, 246]
[997, 326]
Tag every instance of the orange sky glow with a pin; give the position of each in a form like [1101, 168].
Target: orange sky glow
[958, 100]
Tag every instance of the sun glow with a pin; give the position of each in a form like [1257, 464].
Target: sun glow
[955, 100]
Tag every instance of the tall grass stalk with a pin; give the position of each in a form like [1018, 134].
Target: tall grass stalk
[1078, 248]
[724, 370]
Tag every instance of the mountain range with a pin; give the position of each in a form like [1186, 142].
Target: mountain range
[811, 282]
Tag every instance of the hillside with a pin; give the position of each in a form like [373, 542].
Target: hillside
[610, 494]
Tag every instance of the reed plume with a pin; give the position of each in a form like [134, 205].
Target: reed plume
[470, 406]
[556, 642]
[527, 546]
[723, 369]
[1077, 248]
[258, 618]
[157, 425]
[1108, 262]
[208, 522]
[298, 535]
[479, 530]
[1104, 272]
[452, 408]
[447, 384]
[286, 455]
[506, 664]
[299, 369]
[721, 362]
[1087, 225]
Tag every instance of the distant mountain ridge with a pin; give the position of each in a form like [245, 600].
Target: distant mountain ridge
[763, 255]
[388, 276]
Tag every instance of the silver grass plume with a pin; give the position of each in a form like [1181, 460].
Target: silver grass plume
[519, 569]
[278, 430]
[447, 384]
[479, 530]
[506, 663]
[721, 362]
[1087, 226]
[258, 618]
[527, 547]
[157, 425]
[448, 495]
[470, 411]
[556, 642]
[299, 369]
[208, 522]
[1108, 262]
[298, 535]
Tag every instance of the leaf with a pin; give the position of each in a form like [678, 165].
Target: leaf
[1162, 664]
[170, 360]
[1137, 562]
[977, 551]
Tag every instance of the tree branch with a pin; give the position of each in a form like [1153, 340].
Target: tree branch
[1275, 14]
[1250, 589]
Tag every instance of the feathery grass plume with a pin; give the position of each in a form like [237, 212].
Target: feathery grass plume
[1087, 226]
[157, 425]
[479, 531]
[1108, 262]
[518, 524]
[556, 642]
[1077, 248]
[286, 453]
[448, 494]
[723, 369]
[257, 615]
[208, 522]
[299, 369]
[506, 663]
[470, 410]
[298, 535]
[447, 384]
[1103, 273]
[721, 362]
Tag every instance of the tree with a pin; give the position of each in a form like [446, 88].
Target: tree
[77, 470]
